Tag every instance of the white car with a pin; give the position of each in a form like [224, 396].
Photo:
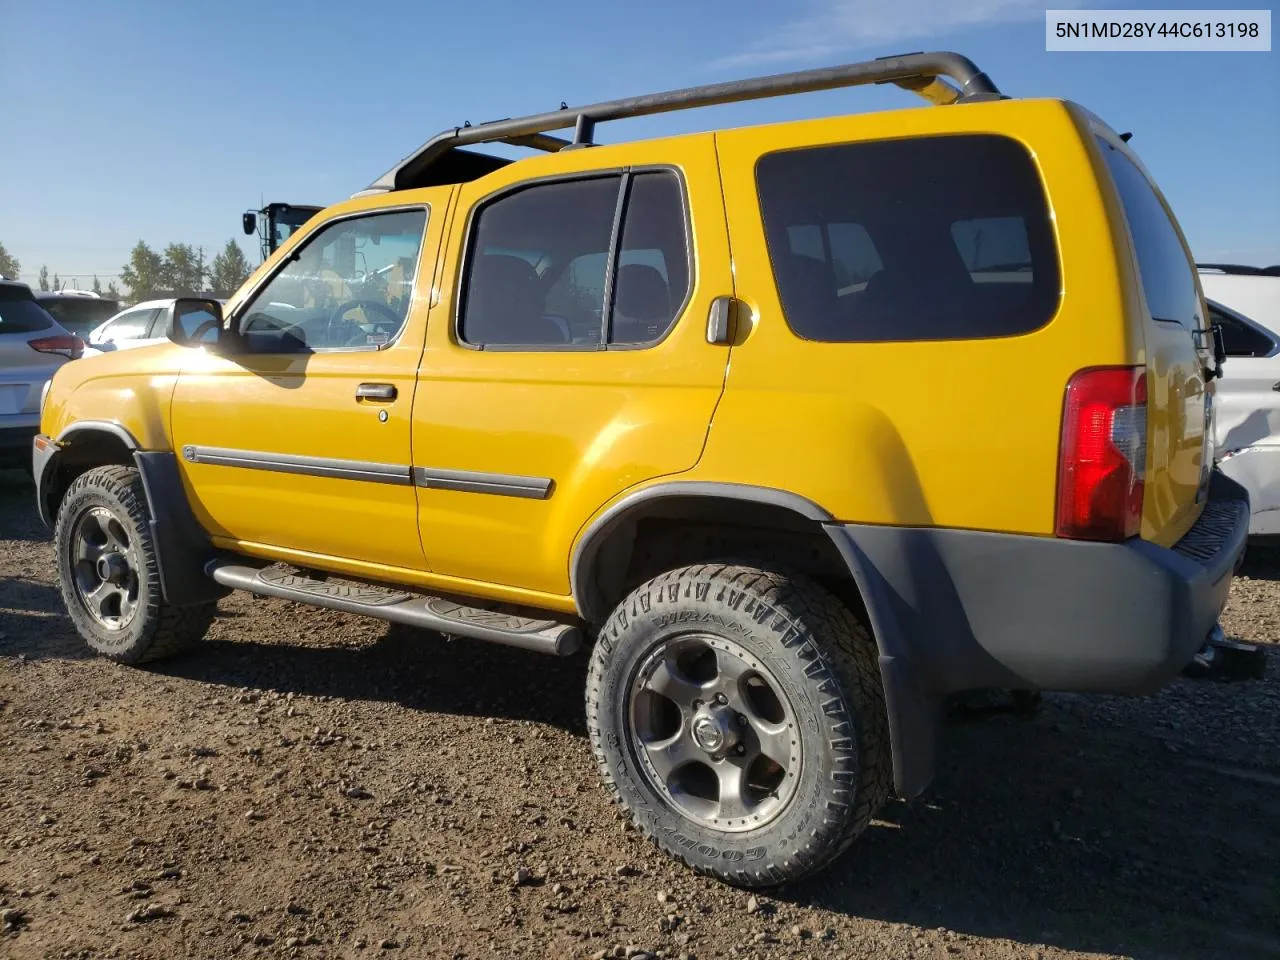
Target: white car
[1245, 301]
[138, 326]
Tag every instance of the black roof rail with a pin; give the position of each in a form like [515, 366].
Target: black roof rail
[1241, 269]
[923, 73]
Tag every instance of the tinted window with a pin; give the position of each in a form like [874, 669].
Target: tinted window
[539, 261]
[19, 312]
[1240, 339]
[653, 262]
[80, 314]
[347, 287]
[935, 238]
[552, 291]
[1168, 280]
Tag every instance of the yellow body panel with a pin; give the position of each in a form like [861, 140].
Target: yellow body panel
[305, 405]
[130, 388]
[593, 422]
[961, 433]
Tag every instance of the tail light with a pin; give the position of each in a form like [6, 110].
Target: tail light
[1102, 463]
[66, 346]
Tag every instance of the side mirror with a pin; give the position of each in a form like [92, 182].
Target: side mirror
[196, 322]
[249, 221]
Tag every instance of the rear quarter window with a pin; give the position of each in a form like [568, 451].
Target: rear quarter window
[930, 238]
[19, 313]
[1168, 277]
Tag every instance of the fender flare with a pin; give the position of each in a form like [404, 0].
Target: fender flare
[911, 712]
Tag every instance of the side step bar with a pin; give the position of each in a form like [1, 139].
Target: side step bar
[398, 606]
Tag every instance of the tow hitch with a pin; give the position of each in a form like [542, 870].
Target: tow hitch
[1222, 658]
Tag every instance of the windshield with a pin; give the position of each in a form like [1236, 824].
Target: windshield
[19, 312]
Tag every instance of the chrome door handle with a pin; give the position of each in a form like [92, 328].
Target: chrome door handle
[376, 391]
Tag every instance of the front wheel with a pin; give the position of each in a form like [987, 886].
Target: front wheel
[737, 717]
[108, 575]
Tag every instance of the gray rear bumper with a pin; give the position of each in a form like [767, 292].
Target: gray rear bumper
[957, 610]
[973, 610]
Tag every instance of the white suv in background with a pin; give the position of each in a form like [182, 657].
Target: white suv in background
[1245, 302]
[139, 326]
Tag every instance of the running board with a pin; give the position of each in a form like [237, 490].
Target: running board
[399, 606]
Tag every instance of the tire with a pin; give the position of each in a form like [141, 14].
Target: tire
[760, 628]
[107, 562]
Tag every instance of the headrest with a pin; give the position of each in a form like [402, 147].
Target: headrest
[642, 294]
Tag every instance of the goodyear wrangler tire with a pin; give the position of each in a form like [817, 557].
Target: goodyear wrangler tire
[738, 719]
[108, 575]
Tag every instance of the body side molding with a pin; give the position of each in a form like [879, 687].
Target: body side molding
[470, 481]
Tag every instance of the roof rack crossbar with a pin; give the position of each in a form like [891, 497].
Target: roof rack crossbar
[922, 73]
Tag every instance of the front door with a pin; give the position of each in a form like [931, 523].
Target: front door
[568, 360]
[297, 444]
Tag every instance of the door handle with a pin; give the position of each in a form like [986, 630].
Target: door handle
[1276, 386]
[376, 391]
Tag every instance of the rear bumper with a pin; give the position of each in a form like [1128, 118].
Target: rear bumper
[961, 610]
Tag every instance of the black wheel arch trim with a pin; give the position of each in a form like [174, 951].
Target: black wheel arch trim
[112, 427]
[586, 550]
[181, 544]
[912, 712]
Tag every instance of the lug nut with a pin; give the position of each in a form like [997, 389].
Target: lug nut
[721, 698]
[742, 748]
[742, 719]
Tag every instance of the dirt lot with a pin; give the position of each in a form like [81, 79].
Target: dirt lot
[315, 785]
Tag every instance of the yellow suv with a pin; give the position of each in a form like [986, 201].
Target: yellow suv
[804, 427]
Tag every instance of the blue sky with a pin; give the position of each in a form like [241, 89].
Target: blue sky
[164, 121]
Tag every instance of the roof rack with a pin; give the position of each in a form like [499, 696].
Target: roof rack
[1241, 269]
[923, 73]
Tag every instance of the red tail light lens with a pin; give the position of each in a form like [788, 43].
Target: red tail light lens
[1103, 457]
[70, 347]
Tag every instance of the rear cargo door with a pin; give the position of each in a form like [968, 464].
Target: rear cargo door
[1178, 352]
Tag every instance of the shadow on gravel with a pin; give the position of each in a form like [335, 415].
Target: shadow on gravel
[414, 668]
[1055, 832]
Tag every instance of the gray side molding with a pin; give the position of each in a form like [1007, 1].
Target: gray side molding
[307, 466]
[471, 481]
[112, 427]
[588, 546]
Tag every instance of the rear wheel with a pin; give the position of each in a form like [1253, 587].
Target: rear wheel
[108, 575]
[738, 718]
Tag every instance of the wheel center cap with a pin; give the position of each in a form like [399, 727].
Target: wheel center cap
[714, 731]
[113, 568]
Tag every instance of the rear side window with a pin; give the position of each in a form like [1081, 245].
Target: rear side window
[1240, 339]
[1168, 279]
[934, 238]
[19, 312]
[577, 264]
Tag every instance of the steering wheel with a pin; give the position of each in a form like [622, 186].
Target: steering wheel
[390, 325]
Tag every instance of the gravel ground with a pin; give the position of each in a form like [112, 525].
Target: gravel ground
[315, 785]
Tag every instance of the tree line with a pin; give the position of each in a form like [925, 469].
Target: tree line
[180, 270]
